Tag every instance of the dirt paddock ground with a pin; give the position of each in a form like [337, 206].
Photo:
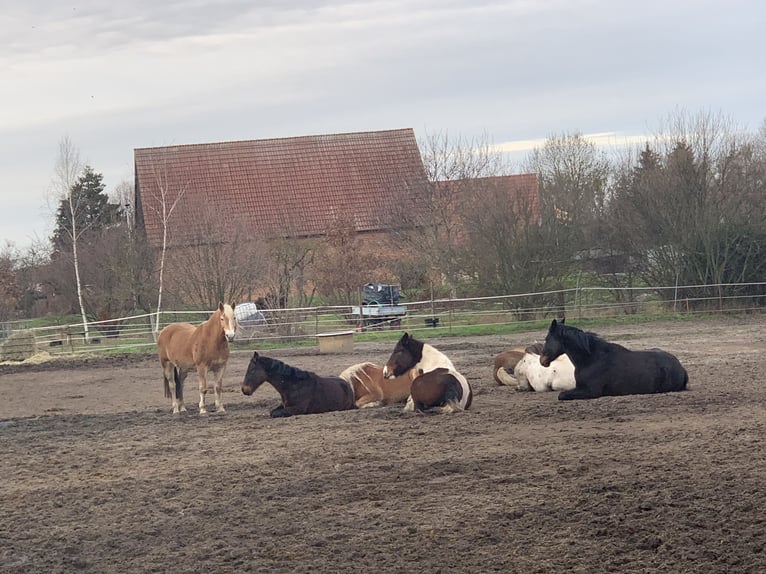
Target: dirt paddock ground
[99, 476]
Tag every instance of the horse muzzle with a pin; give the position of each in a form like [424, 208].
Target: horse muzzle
[386, 373]
[230, 336]
[545, 361]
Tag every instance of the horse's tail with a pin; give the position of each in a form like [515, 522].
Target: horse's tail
[179, 384]
[452, 396]
[505, 378]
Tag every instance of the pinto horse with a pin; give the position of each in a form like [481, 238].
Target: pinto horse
[440, 388]
[302, 392]
[608, 369]
[505, 366]
[372, 389]
[183, 347]
[530, 375]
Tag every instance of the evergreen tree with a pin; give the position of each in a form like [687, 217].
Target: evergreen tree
[89, 207]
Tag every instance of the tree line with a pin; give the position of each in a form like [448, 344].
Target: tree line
[686, 207]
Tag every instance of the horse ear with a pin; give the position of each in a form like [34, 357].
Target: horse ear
[232, 306]
[563, 320]
[553, 325]
[220, 306]
[255, 354]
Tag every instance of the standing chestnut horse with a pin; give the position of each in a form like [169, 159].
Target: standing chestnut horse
[183, 347]
[439, 388]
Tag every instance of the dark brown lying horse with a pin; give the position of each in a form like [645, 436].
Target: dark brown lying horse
[440, 388]
[302, 392]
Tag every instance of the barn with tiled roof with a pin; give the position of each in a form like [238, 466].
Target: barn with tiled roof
[294, 186]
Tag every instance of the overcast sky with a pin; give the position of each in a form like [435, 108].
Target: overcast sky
[114, 76]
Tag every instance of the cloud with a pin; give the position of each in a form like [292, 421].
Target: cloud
[116, 76]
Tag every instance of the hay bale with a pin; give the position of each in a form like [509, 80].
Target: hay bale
[19, 346]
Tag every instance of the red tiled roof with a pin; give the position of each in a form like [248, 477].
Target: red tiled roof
[296, 186]
[521, 189]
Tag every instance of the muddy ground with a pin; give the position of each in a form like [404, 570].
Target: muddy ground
[98, 476]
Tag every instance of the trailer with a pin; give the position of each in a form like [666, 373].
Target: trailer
[380, 307]
[376, 316]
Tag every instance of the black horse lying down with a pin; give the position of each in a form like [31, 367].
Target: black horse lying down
[604, 369]
[302, 392]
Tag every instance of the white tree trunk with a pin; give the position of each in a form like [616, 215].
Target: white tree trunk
[79, 284]
[162, 271]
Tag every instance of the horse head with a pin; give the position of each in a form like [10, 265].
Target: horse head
[228, 321]
[254, 377]
[406, 354]
[553, 347]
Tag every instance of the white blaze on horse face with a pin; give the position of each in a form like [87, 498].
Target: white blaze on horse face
[229, 323]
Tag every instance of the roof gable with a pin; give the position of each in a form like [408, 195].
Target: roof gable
[287, 186]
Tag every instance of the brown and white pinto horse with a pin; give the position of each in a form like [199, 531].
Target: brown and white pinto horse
[505, 363]
[372, 389]
[440, 388]
[183, 347]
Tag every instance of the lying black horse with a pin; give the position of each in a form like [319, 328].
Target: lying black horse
[604, 369]
[302, 392]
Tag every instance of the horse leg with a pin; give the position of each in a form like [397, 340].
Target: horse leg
[365, 401]
[578, 393]
[218, 389]
[179, 376]
[202, 376]
[173, 382]
[409, 406]
[279, 412]
[372, 399]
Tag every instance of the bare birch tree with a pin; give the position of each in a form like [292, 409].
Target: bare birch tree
[66, 170]
[168, 193]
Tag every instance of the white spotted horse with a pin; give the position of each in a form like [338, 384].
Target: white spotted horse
[520, 367]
